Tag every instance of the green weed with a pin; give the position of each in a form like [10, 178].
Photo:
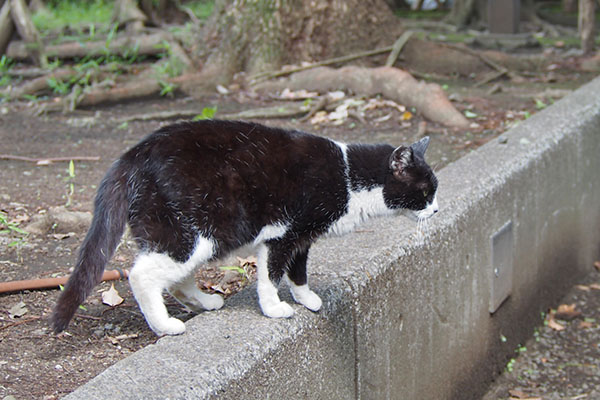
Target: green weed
[70, 184]
[5, 66]
[207, 113]
[11, 228]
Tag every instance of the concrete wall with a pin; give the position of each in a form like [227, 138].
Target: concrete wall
[404, 320]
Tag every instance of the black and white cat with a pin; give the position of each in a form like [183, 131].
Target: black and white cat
[195, 191]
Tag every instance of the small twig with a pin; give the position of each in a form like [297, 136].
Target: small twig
[275, 74]
[49, 160]
[492, 77]
[320, 104]
[160, 115]
[88, 317]
[397, 48]
[24, 321]
[486, 60]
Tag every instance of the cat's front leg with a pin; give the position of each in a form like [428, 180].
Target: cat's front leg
[298, 281]
[187, 293]
[269, 273]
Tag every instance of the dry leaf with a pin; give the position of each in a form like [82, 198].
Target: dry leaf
[127, 336]
[18, 310]
[597, 265]
[567, 312]
[111, 297]
[519, 395]
[585, 325]
[595, 286]
[555, 325]
[250, 260]
[583, 288]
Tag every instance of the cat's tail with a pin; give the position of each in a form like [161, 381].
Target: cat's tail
[108, 224]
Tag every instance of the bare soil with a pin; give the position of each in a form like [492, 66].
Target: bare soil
[36, 364]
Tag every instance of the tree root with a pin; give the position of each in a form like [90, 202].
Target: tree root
[391, 82]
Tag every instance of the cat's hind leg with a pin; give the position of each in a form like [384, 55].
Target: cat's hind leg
[148, 278]
[153, 273]
[187, 293]
[298, 282]
[269, 273]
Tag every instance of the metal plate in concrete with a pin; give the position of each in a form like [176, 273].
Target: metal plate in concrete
[502, 265]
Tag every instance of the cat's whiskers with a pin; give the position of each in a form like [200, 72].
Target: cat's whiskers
[422, 230]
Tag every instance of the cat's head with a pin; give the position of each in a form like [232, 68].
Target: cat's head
[411, 185]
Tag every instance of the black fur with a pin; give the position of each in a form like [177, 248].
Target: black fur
[226, 180]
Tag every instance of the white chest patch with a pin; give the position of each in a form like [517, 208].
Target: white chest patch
[269, 232]
[363, 204]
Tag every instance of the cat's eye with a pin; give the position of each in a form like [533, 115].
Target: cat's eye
[425, 193]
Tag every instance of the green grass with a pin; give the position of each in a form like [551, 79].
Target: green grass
[201, 9]
[75, 14]
[422, 14]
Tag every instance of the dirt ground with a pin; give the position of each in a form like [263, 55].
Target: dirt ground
[36, 364]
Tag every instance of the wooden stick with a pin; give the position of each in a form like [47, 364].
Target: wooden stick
[23, 321]
[275, 74]
[397, 48]
[46, 283]
[49, 160]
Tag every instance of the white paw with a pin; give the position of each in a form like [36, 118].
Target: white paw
[171, 326]
[306, 297]
[211, 302]
[278, 310]
[311, 301]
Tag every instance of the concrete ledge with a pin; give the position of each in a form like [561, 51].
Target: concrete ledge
[402, 319]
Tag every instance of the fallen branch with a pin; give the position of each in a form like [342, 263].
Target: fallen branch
[501, 70]
[47, 283]
[48, 160]
[288, 71]
[318, 105]
[491, 77]
[84, 316]
[390, 82]
[20, 322]
[124, 46]
[397, 48]
[287, 111]
[159, 116]
[41, 83]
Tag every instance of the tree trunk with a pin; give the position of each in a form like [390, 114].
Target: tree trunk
[461, 12]
[587, 13]
[126, 12]
[6, 26]
[261, 35]
[569, 6]
[467, 12]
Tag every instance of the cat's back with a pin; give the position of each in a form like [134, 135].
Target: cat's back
[220, 144]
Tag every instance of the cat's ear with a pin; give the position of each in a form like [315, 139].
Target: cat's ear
[400, 159]
[420, 146]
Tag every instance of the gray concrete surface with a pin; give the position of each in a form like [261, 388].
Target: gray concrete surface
[404, 320]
